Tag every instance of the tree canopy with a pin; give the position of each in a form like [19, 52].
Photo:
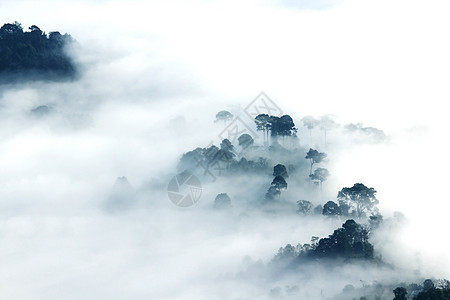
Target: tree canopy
[349, 241]
[33, 54]
[222, 201]
[314, 157]
[358, 200]
[224, 116]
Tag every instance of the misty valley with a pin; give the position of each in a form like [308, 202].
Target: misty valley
[117, 185]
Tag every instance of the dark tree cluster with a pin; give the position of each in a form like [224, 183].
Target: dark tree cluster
[275, 126]
[351, 241]
[357, 201]
[278, 183]
[33, 54]
[222, 160]
[429, 290]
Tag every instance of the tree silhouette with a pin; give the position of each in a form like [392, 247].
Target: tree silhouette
[262, 124]
[280, 170]
[314, 157]
[33, 55]
[351, 241]
[331, 209]
[319, 175]
[281, 126]
[245, 140]
[278, 184]
[222, 201]
[358, 200]
[304, 207]
[226, 145]
[223, 116]
[400, 293]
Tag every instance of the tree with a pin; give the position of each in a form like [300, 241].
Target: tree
[222, 201]
[11, 29]
[349, 241]
[32, 55]
[281, 126]
[245, 140]
[331, 209]
[286, 126]
[279, 183]
[226, 145]
[428, 285]
[223, 116]
[434, 294]
[314, 157]
[358, 200]
[280, 170]
[275, 188]
[400, 293]
[224, 156]
[272, 192]
[310, 122]
[320, 175]
[304, 207]
[262, 124]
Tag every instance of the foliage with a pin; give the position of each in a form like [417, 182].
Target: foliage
[400, 293]
[358, 200]
[33, 54]
[350, 241]
[280, 170]
[226, 145]
[245, 140]
[277, 126]
[331, 209]
[314, 157]
[434, 294]
[304, 207]
[319, 175]
[222, 201]
[282, 126]
[223, 116]
[279, 183]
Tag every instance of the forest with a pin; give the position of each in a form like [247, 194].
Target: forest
[280, 156]
[136, 162]
[34, 55]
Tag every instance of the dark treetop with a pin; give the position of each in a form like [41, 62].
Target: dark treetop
[33, 55]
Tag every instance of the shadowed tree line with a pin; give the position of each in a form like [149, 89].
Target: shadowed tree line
[33, 54]
[351, 241]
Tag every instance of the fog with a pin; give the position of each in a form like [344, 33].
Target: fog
[153, 76]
